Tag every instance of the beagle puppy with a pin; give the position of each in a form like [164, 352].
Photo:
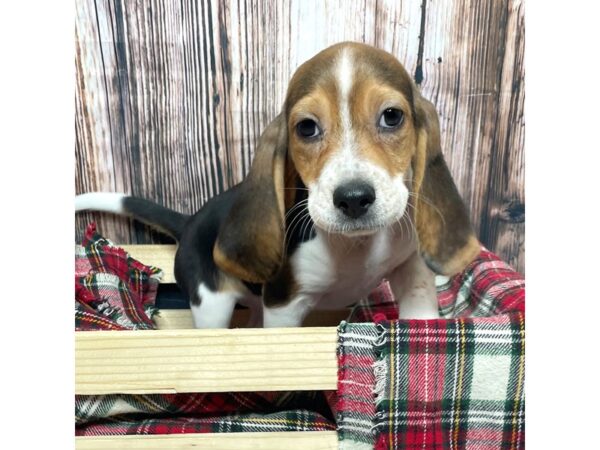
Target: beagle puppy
[348, 186]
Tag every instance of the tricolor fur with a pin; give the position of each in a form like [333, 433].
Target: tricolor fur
[348, 186]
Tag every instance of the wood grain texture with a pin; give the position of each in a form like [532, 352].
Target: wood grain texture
[171, 96]
[181, 319]
[293, 440]
[175, 361]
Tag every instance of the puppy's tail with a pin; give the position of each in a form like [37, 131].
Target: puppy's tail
[153, 214]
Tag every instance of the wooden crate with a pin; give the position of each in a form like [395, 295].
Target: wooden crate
[177, 359]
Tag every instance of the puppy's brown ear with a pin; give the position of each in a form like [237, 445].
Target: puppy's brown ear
[250, 240]
[446, 238]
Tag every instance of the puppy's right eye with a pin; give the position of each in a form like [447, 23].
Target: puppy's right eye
[308, 129]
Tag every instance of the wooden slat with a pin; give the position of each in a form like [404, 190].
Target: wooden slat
[314, 440]
[161, 256]
[176, 319]
[181, 319]
[171, 361]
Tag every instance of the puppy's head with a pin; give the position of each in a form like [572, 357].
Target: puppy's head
[357, 133]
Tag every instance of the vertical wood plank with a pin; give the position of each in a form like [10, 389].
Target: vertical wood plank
[504, 219]
[472, 70]
[172, 96]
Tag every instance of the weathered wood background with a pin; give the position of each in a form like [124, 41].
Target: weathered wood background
[171, 96]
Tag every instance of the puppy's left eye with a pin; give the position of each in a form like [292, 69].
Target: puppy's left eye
[391, 119]
[308, 129]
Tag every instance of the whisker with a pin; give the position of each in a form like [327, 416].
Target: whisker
[296, 206]
[411, 225]
[290, 234]
[296, 217]
[297, 220]
[303, 229]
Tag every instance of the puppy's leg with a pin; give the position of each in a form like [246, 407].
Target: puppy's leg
[289, 315]
[213, 309]
[413, 285]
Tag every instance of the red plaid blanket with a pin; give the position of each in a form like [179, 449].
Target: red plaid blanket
[112, 290]
[437, 384]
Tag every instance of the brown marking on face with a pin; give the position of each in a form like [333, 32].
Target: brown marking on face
[377, 65]
[390, 149]
[319, 71]
[381, 82]
[309, 157]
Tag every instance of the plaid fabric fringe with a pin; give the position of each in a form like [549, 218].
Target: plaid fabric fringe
[112, 290]
[356, 381]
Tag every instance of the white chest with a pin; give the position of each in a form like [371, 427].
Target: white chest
[339, 271]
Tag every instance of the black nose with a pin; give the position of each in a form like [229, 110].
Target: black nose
[354, 198]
